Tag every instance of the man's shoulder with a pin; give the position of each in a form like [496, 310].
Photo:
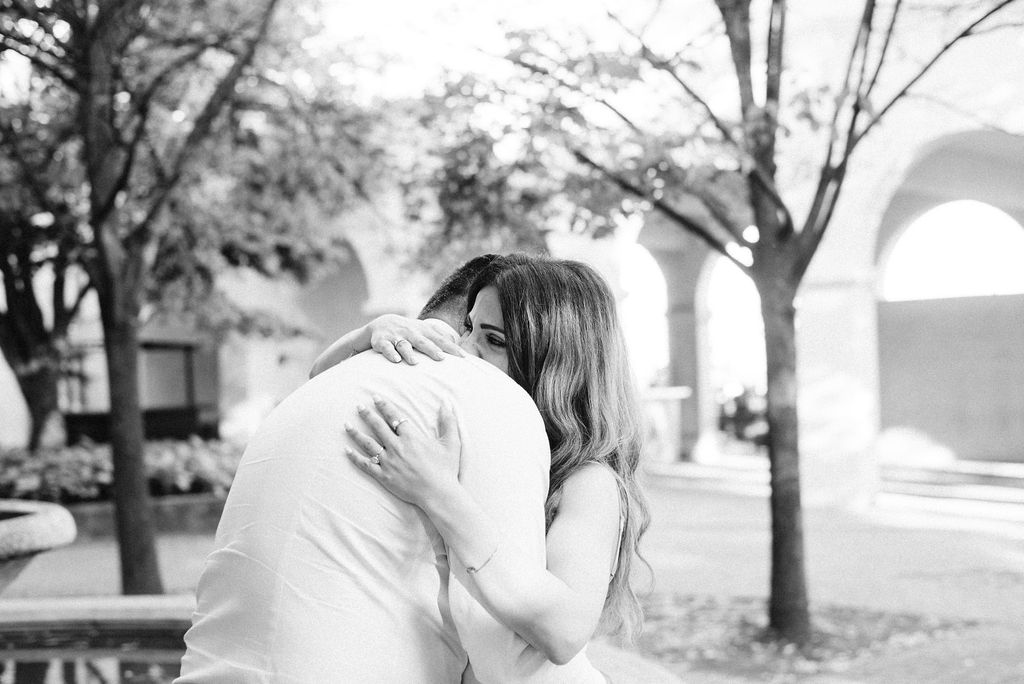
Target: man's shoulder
[479, 383]
[484, 393]
[465, 374]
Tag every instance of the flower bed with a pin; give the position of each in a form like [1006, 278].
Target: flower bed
[84, 472]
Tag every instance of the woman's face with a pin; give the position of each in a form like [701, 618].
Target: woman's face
[485, 330]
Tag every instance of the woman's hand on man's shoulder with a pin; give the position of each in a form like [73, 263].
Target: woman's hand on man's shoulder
[397, 338]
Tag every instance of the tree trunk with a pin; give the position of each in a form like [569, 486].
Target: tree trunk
[39, 383]
[136, 532]
[788, 615]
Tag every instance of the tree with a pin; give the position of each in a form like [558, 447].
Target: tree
[715, 174]
[191, 156]
[115, 59]
[38, 234]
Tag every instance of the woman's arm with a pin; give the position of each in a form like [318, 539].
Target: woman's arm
[395, 337]
[345, 346]
[556, 609]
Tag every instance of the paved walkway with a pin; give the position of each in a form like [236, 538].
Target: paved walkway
[904, 556]
[896, 558]
[891, 558]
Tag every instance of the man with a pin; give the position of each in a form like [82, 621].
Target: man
[321, 575]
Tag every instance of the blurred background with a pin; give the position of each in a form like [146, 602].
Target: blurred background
[197, 197]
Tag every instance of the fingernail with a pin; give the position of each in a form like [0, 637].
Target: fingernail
[348, 427]
[376, 399]
[360, 408]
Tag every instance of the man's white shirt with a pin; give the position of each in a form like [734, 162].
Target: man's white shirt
[321, 575]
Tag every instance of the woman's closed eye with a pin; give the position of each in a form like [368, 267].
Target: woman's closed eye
[496, 341]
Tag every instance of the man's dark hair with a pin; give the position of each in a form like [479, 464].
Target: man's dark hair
[453, 291]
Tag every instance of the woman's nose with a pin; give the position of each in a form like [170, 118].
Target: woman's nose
[469, 345]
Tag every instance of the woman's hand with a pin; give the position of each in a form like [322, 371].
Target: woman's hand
[415, 466]
[395, 337]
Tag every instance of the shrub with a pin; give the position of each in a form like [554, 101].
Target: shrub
[84, 472]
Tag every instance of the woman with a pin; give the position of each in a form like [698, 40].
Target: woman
[552, 327]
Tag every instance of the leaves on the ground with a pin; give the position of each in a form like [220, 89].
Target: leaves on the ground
[730, 635]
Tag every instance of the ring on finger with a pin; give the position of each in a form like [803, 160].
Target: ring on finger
[400, 340]
[394, 425]
[375, 460]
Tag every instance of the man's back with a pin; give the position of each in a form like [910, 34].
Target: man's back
[321, 575]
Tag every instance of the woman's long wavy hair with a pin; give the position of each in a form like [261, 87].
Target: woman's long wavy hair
[566, 349]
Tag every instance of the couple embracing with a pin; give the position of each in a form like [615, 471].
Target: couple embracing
[448, 499]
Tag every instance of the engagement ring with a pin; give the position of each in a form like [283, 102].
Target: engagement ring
[394, 426]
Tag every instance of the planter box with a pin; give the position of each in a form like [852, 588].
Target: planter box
[184, 514]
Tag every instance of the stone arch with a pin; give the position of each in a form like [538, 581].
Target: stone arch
[336, 301]
[682, 259]
[985, 166]
[965, 355]
[960, 248]
[730, 305]
[258, 373]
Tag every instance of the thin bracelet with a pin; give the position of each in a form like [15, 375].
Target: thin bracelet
[472, 571]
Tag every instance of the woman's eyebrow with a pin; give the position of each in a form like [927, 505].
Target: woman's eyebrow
[488, 326]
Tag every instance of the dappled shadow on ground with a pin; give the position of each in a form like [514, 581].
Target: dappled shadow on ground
[728, 636]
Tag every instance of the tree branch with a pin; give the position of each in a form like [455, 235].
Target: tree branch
[140, 235]
[886, 43]
[23, 317]
[539, 70]
[143, 100]
[121, 181]
[811, 237]
[652, 16]
[58, 306]
[13, 32]
[109, 12]
[832, 176]
[773, 59]
[682, 219]
[736, 15]
[76, 305]
[969, 30]
[16, 46]
[860, 99]
[828, 168]
[994, 28]
[665, 65]
[758, 172]
[31, 11]
[28, 173]
[964, 112]
[717, 211]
